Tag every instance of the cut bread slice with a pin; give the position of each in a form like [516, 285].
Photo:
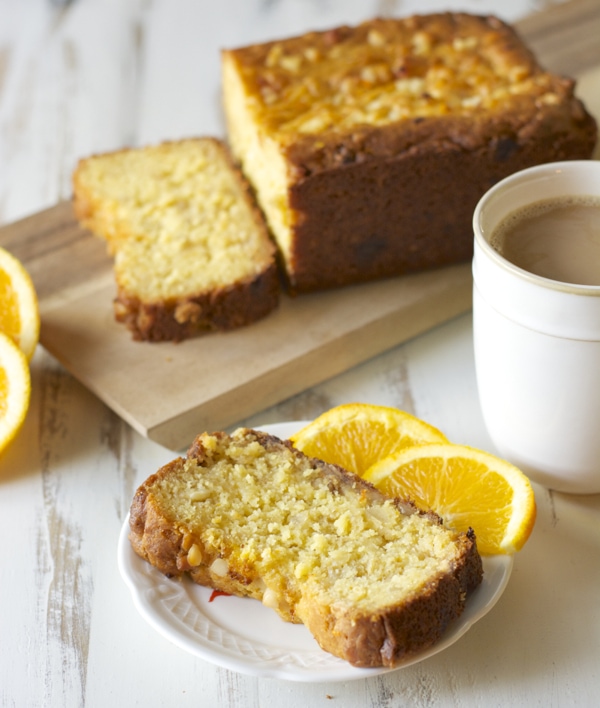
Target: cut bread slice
[191, 249]
[374, 579]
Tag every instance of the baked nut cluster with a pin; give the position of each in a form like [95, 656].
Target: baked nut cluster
[388, 70]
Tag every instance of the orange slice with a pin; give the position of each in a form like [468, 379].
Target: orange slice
[19, 314]
[467, 488]
[356, 435]
[15, 389]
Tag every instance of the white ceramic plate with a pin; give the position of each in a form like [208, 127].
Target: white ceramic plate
[242, 635]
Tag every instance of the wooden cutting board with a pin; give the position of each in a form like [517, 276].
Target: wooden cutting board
[170, 392]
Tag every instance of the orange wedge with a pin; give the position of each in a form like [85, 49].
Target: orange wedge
[19, 314]
[356, 435]
[15, 389]
[467, 488]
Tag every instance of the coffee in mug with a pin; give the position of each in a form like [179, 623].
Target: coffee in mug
[555, 238]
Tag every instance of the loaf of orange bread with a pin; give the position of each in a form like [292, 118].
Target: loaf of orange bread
[191, 249]
[368, 147]
[375, 580]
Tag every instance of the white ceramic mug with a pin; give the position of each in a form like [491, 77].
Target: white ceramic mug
[537, 343]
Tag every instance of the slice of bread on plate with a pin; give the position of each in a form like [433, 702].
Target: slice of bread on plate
[375, 580]
[192, 252]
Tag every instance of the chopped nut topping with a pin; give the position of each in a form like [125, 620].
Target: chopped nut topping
[387, 71]
[274, 55]
[194, 556]
[312, 54]
[314, 124]
[375, 38]
[460, 44]
[187, 541]
[269, 599]
[422, 43]
[410, 86]
[219, 567]
[471, 101]
[376, 73]
[549, 99]
[291, 63]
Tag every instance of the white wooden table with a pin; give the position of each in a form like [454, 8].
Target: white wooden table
[93, 75]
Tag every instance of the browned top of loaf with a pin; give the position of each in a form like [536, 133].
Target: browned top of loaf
[454, 77]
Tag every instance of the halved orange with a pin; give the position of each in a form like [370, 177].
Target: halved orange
[356, 435]
[467, 488]
[19, 314]
[15, 389]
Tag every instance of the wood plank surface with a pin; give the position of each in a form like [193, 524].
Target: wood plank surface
[565, 36]
[168, 392]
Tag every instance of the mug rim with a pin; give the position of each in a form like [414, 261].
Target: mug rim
[546, 169]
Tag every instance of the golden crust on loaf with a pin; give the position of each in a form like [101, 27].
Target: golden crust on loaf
[368, 147]
[372, 578]
[191, 248]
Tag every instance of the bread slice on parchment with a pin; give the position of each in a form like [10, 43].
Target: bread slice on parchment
[373, 579]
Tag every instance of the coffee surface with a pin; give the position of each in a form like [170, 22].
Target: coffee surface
[555, 238]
